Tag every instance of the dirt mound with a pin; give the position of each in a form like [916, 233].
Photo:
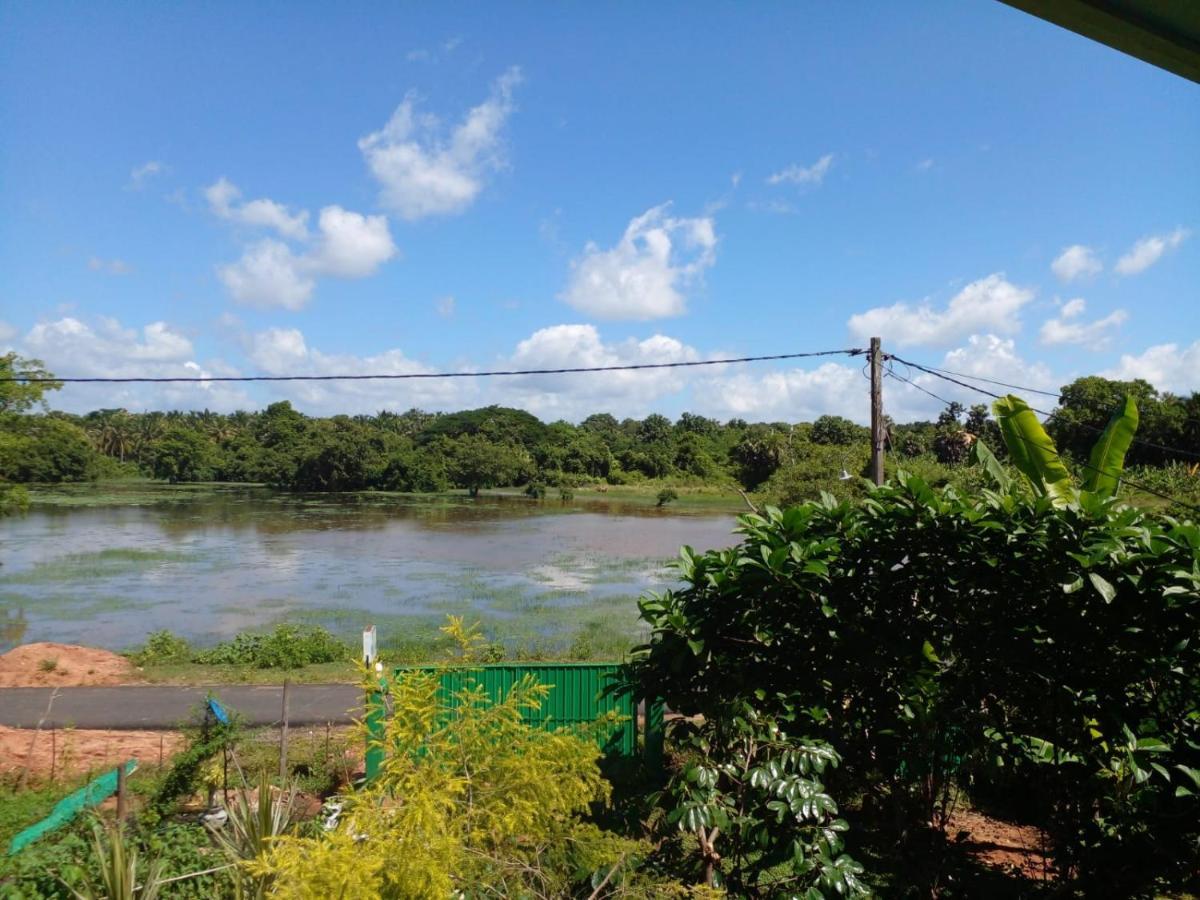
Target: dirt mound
[59, 665]
[69, 751]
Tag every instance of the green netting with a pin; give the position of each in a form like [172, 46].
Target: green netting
[92, 794]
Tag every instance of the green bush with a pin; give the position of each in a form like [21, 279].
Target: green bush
[286, 647]
[162, 647]
[926, 635]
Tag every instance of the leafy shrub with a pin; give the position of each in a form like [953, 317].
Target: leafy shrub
[470, 798]
[666, 495]
[162, 647]
[924, 633]
[286, 647]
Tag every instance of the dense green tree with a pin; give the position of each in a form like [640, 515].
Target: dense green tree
[22, 396]
[836, 430]
[183, 454]
[37, 448]
[476, 462]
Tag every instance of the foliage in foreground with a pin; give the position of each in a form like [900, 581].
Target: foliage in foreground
[470, 799]
[1045, 644]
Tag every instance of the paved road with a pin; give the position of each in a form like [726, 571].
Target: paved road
[167, 706]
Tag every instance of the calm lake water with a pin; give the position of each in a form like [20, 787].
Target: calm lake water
[210, 564]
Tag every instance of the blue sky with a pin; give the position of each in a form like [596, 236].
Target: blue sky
[278, 188]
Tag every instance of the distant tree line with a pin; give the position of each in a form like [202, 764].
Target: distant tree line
[498, 446]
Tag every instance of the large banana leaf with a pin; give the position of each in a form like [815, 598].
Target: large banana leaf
[981, 454]
[1032, 451]
[1107, 461]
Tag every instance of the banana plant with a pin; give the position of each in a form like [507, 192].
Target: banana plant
[1035, 455]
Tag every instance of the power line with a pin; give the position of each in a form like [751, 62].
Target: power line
[1124, 479]
[1018, 387]
[945, 375]
[29, 378]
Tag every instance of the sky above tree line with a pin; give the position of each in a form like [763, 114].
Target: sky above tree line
[228, 189]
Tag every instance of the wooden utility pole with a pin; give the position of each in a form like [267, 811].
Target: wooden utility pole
[877, 430]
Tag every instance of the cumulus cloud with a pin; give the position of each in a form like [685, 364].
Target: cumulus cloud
[272, 273]
[1076, 261]
[109, 266]
[645, 275]
[1149, 250]
[223, 199]
[285, 351]
[269, 274]
[788, 395]
[7, 331]
[1068, 328]
[107, 349]
[573, 396]
[1168, 367]
[139, 175]
[351, 245]
[425, 172]
[991, 304]
[804, 175]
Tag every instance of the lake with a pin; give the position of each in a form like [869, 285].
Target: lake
[109, 568]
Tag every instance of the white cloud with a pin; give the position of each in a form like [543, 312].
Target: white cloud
[645, 274]
[7, 331]
[424, 173]
[573, 396]
[223, 197]
[788, 395]
[109, 266]
[990, 356]
[271, 273]
[139, 175]
[1149, 250]
[268, 274]
[351, 245]
[105, 349]
[925, 165]
[1076, 261]
[445, 306]
[1066, 327]
[284, 351]
[991, 304]
[1166, 366]
[798, 174]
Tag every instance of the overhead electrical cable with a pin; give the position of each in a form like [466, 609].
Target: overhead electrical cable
[946, 375]
[30, 378]
[1088, 466]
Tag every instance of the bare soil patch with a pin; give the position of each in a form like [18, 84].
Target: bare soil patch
[1017, 849]
[68, 751]
[48, 664]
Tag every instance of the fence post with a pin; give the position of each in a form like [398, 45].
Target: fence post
[283, 737]
[375, 707]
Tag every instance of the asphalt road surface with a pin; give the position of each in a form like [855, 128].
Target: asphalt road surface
[169, 706]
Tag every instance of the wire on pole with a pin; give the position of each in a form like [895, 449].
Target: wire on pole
[30, 378]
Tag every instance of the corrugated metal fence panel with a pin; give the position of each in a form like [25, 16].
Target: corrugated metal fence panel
[575, 695]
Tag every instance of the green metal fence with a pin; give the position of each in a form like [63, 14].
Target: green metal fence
[577, 697]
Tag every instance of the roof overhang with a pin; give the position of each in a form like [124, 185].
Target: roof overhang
[1164, 33]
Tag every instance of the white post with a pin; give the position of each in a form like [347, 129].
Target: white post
[370, 646]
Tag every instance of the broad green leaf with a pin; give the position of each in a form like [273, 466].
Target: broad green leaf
[982, 454]
[1032, 451]
[1105, 589]
[1107, 461]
